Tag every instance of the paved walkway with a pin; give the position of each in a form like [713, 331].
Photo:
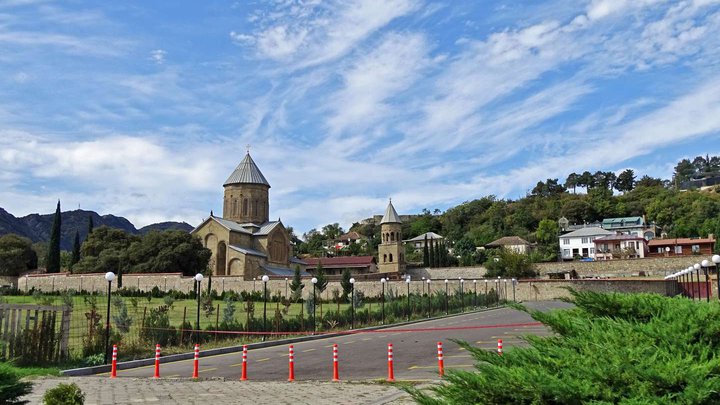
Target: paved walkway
[219, 391]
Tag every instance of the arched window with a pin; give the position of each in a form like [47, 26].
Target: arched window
[255, 208]
[384, 258]
[235, 207]
[392, 237]
[390, 257]
[245, 206]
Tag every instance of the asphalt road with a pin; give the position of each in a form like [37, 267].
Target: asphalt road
[363, 356]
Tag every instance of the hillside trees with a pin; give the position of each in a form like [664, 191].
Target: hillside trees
[16, 255]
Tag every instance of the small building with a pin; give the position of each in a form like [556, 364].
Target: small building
[418, 242]
[620, 247]
[514, 243]
[581, 243]
[350, 237]
[336, 265]
[681, 246]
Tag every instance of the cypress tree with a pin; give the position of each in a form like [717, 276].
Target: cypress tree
[76, 250]
[52, 264]
[90, 224]
[426, 253]
[296, 285]
[436, 259]
[431, 257]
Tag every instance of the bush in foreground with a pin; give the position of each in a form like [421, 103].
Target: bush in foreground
[610, 348]
[64, 394]
[11, 388]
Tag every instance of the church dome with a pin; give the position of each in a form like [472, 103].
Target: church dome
[246, 172]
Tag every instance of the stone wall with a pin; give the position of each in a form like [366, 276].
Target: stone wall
[525, 290]
[655, 267]
[8, 280]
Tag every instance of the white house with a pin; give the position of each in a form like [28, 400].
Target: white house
[418, 242]
[581, 242]
[621, 246]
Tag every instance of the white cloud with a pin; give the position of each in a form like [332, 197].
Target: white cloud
[158, 56]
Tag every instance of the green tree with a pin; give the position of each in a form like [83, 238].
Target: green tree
[16, 255]
[625, 181]
[647, 181]
[296, 286]
[52, 263]
[345, 284]
[431, 258]
[76, 249]
[321, 284]
[683, 171]
[572, 181]
[510, 264]
[547, 237]
[426, 253]
[168, 251]
[91, 225]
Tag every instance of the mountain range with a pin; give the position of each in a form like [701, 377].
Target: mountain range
[37, 227]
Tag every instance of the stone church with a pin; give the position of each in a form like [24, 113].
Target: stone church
[244, 242]
[391, 252]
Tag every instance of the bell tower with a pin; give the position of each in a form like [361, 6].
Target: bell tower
[247, 194]
[391, 255]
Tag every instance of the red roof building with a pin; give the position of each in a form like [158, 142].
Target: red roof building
[681, 246]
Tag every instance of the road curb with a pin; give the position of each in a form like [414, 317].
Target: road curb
[85, 371]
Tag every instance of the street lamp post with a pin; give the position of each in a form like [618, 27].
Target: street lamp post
[428, 299]
[462, 295]
[407, 281]
[382, 319]
[109, 276]
[486, 296]
[254, 279]
[705, 264]
[697, 266]
[286, 288]
[716, 259]
[314, 282]
[447, 309]
[352, 303]
[497, 293]
[265, 279]
[475, 295]
[505, 289]
[514, 282]
[198, 280]
[423, 285]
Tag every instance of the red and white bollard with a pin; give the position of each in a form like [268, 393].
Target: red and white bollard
[113, 369]
[499, 347]
[391, 374]
[291, 364]
[336, 371]
[441, 363]
[196, 362]
[243, 376]
[157, 361]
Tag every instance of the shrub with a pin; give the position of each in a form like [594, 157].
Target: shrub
[11, 388]
[611, 348]
[64, 394]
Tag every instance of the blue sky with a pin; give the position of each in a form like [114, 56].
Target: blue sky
[142, 109]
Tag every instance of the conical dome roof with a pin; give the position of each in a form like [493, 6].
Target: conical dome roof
[246, 172]
[391, 216]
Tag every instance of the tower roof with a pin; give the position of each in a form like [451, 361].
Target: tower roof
[247, 172]
[391, 216]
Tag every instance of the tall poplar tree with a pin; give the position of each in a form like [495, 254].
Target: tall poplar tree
[431, 255]
[76, 250]
[52, 264]
[91, 225]
[426, 253]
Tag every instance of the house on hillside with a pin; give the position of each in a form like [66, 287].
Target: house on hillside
[620, 247]
[418, 242]
[681, 246]
[581, 243]
[630, 226]
[336, 265]
[514, 243]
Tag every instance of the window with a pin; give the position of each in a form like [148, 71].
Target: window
[390, 257]
[695, 248]
[678, 250]
[245, 206]
[660, 250]
[384, 258]
[637, 245]
[566, 253]
[592, 251]
[566, 241]
[592, 238]
[584, 240]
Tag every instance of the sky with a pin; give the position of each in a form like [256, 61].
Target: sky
[143, 109]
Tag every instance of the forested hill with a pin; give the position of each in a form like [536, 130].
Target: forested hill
[36, 227]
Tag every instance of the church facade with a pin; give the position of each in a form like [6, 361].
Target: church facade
[244, 242]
